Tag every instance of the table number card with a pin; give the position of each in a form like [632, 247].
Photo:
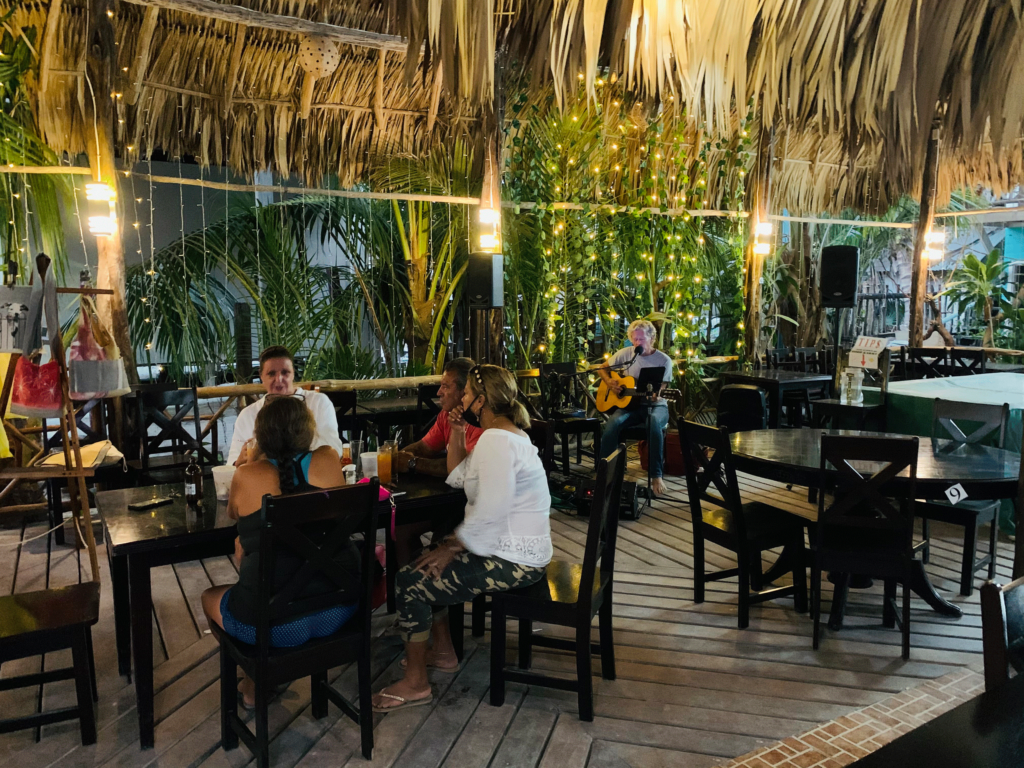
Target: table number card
[956, 493]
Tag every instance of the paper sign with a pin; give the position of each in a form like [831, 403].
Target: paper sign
[956, 493]
[865, 352]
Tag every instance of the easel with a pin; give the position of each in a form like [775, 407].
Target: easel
[74, 472]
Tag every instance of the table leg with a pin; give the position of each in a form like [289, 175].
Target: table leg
[774, 405]
[921, 585]
[122, 612]
[142, 644]
[839, 594]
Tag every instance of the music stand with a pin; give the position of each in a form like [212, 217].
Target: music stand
[649, 381]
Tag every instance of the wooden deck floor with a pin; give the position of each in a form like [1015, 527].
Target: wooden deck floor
[692, 689]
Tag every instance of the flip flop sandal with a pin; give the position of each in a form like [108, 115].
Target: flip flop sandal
[405, 703]
[405, 663]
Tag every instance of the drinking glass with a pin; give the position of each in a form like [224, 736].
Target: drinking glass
[384, 461]
[346, 454]
[355, 449]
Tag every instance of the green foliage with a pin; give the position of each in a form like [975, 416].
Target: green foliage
[29, 205]
[600, 249]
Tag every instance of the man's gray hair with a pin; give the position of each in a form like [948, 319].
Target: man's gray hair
[642, 325]
[460, 368]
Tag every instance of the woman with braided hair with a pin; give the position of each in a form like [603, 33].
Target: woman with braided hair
[503, 543]
[283, 464]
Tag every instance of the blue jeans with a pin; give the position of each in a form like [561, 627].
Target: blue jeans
[631, 418]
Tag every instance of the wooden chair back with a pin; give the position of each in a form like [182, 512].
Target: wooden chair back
[315, 526]
[542, 435]
[707, 458]
[345, 403]
[865, 468]
[427, 408]
[925, 362]
[741, 408]
[949, 419]
[964, 361]
[155, 403]
[1002, 631]
[602, 533]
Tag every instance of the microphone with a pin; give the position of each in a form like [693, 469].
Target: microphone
[639, 351]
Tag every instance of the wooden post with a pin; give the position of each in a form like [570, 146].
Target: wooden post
[919, 264]
[758, 194]
[101, 57]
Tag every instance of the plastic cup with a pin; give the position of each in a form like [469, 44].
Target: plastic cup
[368, 461]
[222, 480]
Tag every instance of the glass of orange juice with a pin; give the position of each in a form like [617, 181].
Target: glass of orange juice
[384, 457]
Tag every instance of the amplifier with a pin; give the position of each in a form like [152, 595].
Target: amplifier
[579, 491]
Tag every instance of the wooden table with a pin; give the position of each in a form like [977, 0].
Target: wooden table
[138, 541]
[985, 732]
[794, 456]
[775, 382]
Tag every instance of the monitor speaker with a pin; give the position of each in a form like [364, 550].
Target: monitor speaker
[485, 281]
[839, 267]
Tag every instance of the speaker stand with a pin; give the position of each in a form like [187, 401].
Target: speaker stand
[836, 326]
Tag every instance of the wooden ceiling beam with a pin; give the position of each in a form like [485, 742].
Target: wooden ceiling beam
[249, 18]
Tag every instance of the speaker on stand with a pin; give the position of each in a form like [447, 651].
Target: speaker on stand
[485, 289]
[838, 281]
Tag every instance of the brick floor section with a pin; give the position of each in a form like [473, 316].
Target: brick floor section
[851, 737]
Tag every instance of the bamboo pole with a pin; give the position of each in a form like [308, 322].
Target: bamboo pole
[99, 119]
[919, 265]
[328, 385]
[236, 14]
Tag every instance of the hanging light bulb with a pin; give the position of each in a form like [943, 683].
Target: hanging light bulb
[99, 192]
[765, 228]
[103, 226]
[935, 237]
[762, 249]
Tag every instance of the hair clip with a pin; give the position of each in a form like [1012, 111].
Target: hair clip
[477, 376]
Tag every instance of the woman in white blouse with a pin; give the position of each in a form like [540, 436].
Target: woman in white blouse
[503, 543]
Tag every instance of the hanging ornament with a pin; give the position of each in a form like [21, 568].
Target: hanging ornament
[318, 57]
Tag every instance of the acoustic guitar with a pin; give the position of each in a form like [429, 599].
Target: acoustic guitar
[607, 399]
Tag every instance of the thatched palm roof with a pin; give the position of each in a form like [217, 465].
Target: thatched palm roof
[851, 87]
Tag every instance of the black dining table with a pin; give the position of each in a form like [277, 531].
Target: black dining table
[794, 456]
[985, 732]
[775, 382]
[138, 541]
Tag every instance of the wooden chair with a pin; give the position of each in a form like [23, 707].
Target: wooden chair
[924, 363]
[563, 405]
[1002, 631]
[966, 362]
[741, 408]
[746, 529]
[345, 404]
[427, 409]
[314, 526]
[862, 531]
[948, 420]
[169, 409]
[570, 595]
[542, 435]
[33, 623]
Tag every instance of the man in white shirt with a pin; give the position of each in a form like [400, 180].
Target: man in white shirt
[629, 362]
[277, 372]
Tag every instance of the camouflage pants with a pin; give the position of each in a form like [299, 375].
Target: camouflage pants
[468, 575]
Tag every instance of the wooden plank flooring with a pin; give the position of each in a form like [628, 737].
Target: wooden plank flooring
[692, 689]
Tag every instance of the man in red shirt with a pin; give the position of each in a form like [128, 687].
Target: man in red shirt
[429, 455]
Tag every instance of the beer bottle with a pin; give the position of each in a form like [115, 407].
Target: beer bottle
[193, 483]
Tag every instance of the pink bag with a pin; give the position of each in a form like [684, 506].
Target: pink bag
[36, 390]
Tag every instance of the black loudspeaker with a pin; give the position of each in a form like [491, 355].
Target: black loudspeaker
[839, 267]
[485, 281]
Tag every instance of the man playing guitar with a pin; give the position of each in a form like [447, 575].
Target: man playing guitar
[630, 361]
